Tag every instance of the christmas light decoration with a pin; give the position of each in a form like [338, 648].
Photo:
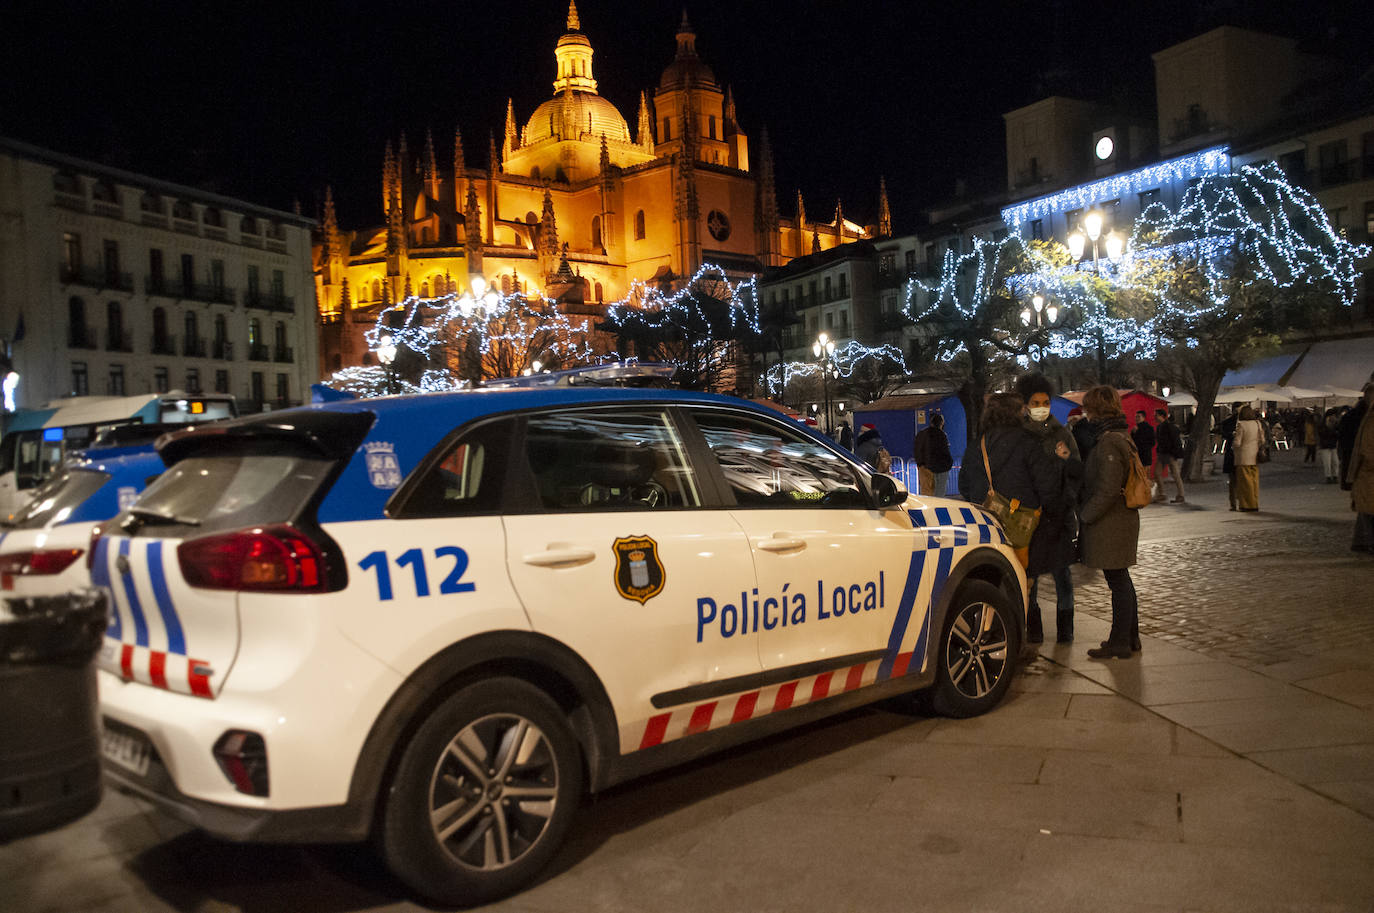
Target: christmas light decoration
[1184, 168]
[846, 360]
[654, 307]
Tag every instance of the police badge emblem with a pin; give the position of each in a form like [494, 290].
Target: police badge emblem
[383, 470]
[639, 573]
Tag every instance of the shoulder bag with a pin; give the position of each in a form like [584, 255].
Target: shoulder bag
[1138, 490]
[1017, 521]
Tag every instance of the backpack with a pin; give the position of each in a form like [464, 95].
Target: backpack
[882, 460]
[1137, 490]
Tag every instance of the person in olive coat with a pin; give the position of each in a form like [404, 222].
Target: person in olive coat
[1111, 530]
[1021, 469]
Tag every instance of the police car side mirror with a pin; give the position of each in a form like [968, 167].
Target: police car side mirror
[887, 491]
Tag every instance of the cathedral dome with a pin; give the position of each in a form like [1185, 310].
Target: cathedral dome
[686, 67]
[571, 115]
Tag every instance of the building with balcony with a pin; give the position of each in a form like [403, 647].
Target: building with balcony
[119, 283]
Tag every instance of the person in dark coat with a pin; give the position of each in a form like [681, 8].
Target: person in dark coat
[867, 446]
[1057, 442]
[1144, 436]
[1084, 434]
[1111, 530]
[930, 449]
[1021, 469]
[846, 439]
[1168, 454]
[1228, 455]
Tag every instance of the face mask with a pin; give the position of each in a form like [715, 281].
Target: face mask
[1040, 413]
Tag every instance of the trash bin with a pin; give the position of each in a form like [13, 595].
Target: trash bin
[49, 736]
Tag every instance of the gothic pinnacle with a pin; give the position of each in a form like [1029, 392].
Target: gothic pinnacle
[573, 24]
[884, 211]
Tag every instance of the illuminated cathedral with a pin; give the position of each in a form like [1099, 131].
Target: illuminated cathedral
[573, 205]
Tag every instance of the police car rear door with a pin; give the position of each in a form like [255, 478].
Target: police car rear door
[615, 554]
[831, 568]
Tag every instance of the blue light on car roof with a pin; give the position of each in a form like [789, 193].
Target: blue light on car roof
[52, 434]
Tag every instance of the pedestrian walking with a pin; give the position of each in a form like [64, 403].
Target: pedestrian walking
[1143, 434]
[933, 458]
[1361, 477]
[1168, 454]
[1328, 437]
[1061, 551]
[1227, 429]
[1249, 439]
[1021, 470]
[1111, 530]
[846, 435]
[1309, 436]
[1345, 443]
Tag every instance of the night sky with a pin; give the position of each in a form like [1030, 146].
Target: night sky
[271, 101]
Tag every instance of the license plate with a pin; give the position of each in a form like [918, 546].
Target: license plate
[128, 748]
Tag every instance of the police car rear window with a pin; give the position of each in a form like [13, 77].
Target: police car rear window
[214, 493]
[55, 501]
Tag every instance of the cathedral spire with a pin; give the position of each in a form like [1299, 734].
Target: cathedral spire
[815, 240]
[388, 172]
[646, 130]
[493, 163]
[573, 54]
[431, 166]
[472, 232]
[605, 162]
[730, 107]
[330, 229]
[460, 169]
[512, 140]
[768, 198]
[884, 211]
[839, 221]
[573, 24]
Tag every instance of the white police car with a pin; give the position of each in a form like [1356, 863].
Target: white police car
[437, 620]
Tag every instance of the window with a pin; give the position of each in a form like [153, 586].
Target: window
[278, 283]
[1073, 219]
[1148, 198]
[768, 465]
[598, 291]
[115, 387]
[828, 295]
[188, 273]
[114, 325]
[254, 331]
[81, 385]
[111, 262]
[467, 480]
[1369, 217]
[830, 320]
[159, 330]
[279, 337]
[1038, 230]
[183, 210]
[76, 323]
[217, 275]
[596, 231]
[213, 217]
[283, 389]
[887, 264]
[248, 225]
[192, 330]
[192, 380]
[639, 225]
[71, 252]
[155, 269]
[667, 130]
[593, 460]
[253, 281]
[160, 380]
[221, 329]
[104, 192]
[911, 261]
[221, 381]
[844, 285]
[1332, 157]
[711, 126]
[1338, 220]
[844, 321]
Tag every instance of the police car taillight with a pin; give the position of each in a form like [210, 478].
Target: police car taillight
[242, 757]
[271, 558]
[38, 561]
[96, 532]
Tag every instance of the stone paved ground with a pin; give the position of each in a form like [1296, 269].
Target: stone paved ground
[1254, 597]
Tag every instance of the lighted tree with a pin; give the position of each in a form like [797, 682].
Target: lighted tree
[701, 328]
[1245, 259]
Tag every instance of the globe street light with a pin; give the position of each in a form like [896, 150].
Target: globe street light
[1078, 242]
[386, 354]
[1041, 317]
[824, 350]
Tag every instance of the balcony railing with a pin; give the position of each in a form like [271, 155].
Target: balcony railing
[163, 344]
[80, 337]
[258, 352]
[119, 341]
[73, 201]
[97, 277]
[194, 347]
[223, 350]
[270, 301]
[284, 354]
[107, 208]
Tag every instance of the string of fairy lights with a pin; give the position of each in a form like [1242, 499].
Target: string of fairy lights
[1283, 233]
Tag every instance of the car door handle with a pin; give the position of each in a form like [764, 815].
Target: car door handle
[561, 557]
[782, 544]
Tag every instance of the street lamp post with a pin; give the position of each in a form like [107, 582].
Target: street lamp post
[824, 350]
[1040, 317]
[1092, 230]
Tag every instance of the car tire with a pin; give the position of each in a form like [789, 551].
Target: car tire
[483, 794]
[978, 648]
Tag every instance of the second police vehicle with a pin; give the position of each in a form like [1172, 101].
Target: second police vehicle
[437, 620]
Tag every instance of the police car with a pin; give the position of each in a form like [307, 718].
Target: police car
[438, 620]
[41, 546]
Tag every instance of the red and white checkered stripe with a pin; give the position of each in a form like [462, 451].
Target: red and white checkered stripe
[169, 671]
[691, 719]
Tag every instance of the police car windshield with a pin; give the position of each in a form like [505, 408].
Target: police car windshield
[62, 494]
[227, 492]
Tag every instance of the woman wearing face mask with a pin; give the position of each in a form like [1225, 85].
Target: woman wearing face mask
[1053, 550]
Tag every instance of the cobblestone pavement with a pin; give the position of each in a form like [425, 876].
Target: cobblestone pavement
[1285, 589]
